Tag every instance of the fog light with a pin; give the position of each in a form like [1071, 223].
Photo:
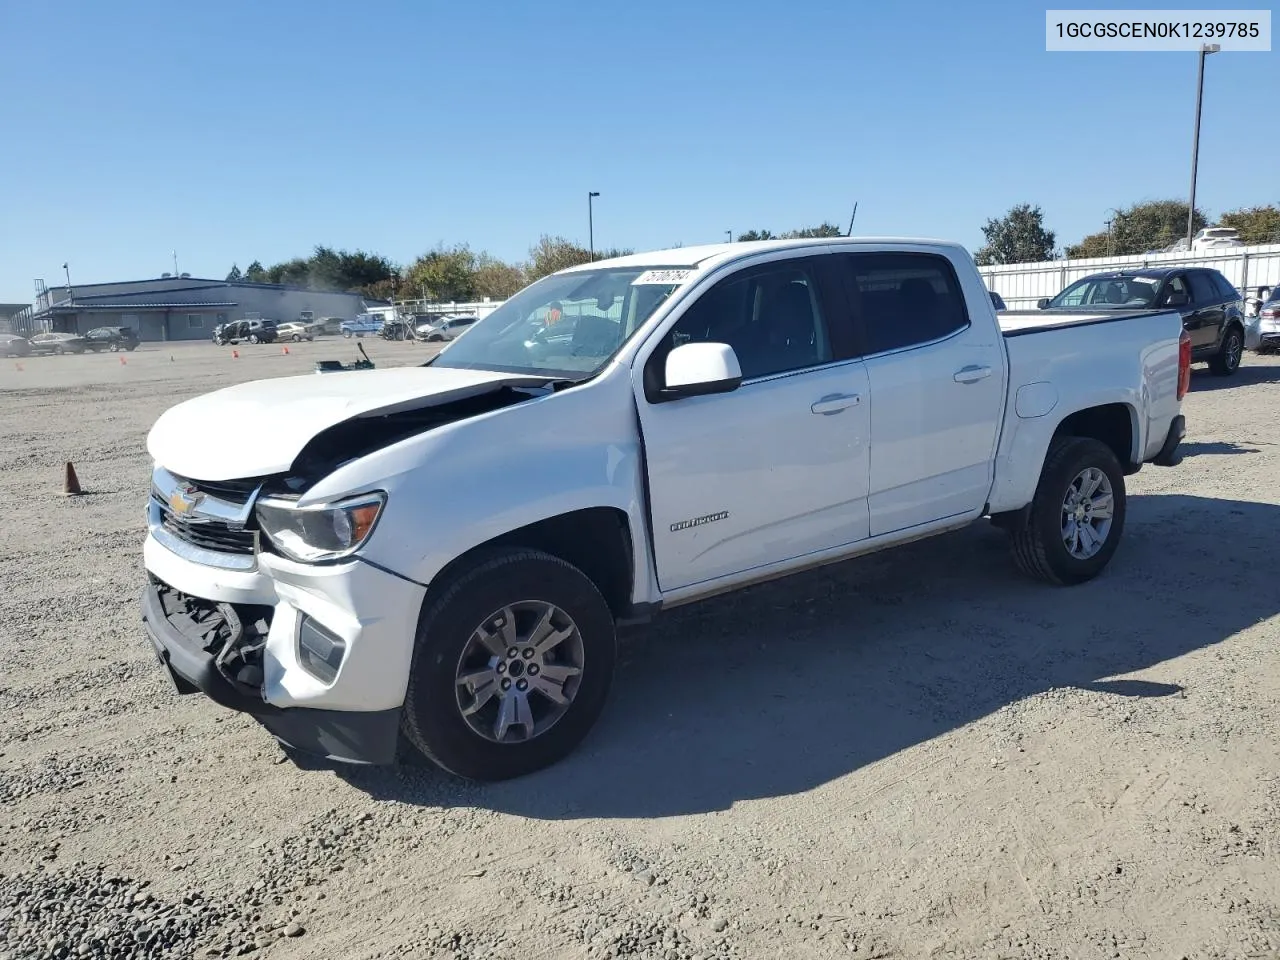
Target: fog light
[319, 651]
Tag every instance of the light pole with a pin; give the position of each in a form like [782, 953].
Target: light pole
[591, 226]
[1205, 50]
[729, 234]
[1111, 244]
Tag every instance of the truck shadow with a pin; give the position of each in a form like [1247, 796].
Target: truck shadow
[1254, 371]
[784, 687]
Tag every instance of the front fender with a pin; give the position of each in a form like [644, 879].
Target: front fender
[463, 484]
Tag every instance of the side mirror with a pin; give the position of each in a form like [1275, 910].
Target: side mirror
[698, 369]
[1177, 300]
[1042, 303]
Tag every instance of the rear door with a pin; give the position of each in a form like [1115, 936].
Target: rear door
[1210, 311]
[937, 379]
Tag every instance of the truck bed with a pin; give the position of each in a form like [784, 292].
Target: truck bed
[1016, 323]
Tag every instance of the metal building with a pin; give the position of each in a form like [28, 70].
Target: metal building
[179, 308]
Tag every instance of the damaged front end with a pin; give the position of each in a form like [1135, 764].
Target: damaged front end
[212, 647]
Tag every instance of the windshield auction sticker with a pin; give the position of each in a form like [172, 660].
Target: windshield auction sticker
[663, 277]
[1119, 31]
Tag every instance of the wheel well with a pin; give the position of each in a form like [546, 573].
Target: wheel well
[1110, 423]
[596, 540]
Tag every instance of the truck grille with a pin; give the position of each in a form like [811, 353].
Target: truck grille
[232, 491]
[209, 534]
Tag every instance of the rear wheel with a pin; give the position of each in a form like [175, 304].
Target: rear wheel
[512, 667]
[1077, 515]
[1227, 359]
[254, 338]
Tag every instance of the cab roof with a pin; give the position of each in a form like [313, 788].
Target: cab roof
[711, 255]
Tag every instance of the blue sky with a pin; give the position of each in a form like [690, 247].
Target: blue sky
[240, 130]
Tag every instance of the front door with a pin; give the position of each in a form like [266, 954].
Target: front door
[937, 384]
[776, 469]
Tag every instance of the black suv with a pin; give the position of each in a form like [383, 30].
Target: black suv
[111, 338]
[1212, 309]
[255, 331]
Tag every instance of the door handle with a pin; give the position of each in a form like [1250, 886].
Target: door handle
[972, 374]
[834, 403]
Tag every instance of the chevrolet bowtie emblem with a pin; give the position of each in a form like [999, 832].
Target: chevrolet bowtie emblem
[185, 499]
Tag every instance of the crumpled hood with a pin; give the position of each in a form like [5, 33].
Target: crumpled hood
[258, 428]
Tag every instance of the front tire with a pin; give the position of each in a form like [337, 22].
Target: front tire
[296, 338]
[1227, 360]
[254, 338]
[1077, 515]
[513, 663]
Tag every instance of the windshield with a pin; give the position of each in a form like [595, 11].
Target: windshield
[1108, 292]
[566, 325]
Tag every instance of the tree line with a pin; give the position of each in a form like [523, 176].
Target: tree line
[458, 273]
[447, 273]
[1020, 236]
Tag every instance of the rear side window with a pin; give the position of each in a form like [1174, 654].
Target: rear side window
[1202, 288]
[1224, 286]
[904, 299]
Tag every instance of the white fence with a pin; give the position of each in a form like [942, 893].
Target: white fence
[1022, 284]
[408, 308]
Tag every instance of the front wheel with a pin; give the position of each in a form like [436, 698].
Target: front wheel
[512, 666]
[1227, 360]
[254, 338]
[347, 334]
[296, 338]
[1077, 515]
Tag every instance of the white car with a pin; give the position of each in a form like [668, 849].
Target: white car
[1211, 238]
[295, 331]
[718, 416]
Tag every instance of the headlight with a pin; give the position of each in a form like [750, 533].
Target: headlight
[322, 532]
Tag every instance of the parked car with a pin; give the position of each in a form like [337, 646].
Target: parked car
[747, 411]
[1263, 331]
[13, 345]
[58, 343]
[253, 331]
[997, 301]
[1211, 238]
[112, 338]
[295, 331]
[1211, 308]
[448, 328]
[364, 323]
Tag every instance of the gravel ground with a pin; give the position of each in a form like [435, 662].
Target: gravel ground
[916, 754]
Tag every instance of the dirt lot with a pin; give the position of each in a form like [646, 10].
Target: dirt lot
[916, 754]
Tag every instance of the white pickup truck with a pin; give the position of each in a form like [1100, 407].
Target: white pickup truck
[440, 555]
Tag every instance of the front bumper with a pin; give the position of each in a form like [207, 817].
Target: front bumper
[355, 717]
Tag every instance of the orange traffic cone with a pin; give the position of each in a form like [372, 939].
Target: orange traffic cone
[235, 354]
[70, 482]
[18, 366]
[123, 361]
[284, 351]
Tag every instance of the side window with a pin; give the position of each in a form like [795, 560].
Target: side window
[1202, 291]
[1225, 289]
[905, 298]
[1175, 285]
[772, 317]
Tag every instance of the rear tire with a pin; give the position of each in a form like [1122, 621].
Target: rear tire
[1227, 360]
[503, 591]
[254, 338]
[1053, 546]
